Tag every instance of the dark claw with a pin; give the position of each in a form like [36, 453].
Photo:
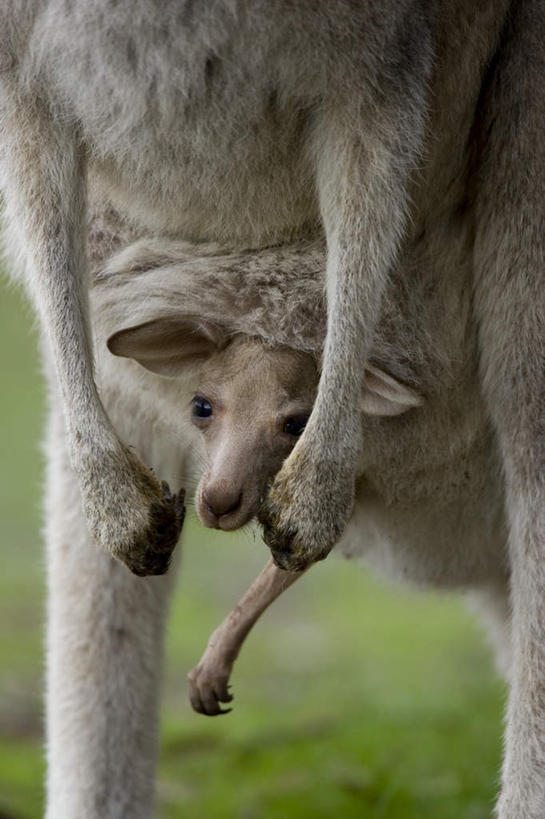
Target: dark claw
[279, 540]
[167, 494]
[166, 518]
[209, 709]
[217, 713]
[281, 559]
[286, 561]
[179, 501]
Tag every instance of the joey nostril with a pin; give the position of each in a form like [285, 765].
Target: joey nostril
[220, 504]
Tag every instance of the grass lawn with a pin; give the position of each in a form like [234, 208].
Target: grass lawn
[351, 700]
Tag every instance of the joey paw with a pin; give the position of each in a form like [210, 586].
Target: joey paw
[208, 687]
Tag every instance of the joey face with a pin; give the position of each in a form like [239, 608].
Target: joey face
[251, 406]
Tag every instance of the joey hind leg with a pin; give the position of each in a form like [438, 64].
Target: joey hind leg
[364, 151]
[43, 182]
[104, 653]
[209, 680]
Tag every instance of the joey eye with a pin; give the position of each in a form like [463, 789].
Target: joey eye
[295, 425]
[201, 408]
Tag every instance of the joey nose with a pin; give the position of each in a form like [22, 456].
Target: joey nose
[222, 503]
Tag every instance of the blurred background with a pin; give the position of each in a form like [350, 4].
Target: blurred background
[351, 699]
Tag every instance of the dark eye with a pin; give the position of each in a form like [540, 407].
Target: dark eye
[295, 425]
[201, 407]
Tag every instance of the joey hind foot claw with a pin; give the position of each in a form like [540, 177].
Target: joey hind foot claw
[208, 687]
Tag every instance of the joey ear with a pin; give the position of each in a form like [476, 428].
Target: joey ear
[169, 346]
[382, 394]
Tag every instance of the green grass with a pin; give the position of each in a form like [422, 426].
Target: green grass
[351, 700]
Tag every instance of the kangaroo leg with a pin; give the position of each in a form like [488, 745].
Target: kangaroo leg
[364, 152]
[510, 302]
[208, 681]
[42, 176]
[104, 654]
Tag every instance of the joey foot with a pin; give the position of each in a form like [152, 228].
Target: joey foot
[130, 513]
[208, 681]
[306, 509]
[209, 684]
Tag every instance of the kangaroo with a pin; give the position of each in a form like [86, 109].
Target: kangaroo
[407, 134]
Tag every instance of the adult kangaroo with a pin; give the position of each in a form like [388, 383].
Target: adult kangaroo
[409, 132]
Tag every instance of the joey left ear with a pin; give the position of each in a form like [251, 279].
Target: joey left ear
[169, 345]
[382, 394]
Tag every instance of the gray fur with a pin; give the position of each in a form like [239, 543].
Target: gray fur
[216, 122]
[410, 135]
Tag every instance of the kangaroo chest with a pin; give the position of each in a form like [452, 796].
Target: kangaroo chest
[200, 119]
[196, 121]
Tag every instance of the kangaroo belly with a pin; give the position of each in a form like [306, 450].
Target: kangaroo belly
[195, 119]
[246, 188]
[442, 528]
[233, 172]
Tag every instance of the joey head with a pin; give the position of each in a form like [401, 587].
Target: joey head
[251, 406]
